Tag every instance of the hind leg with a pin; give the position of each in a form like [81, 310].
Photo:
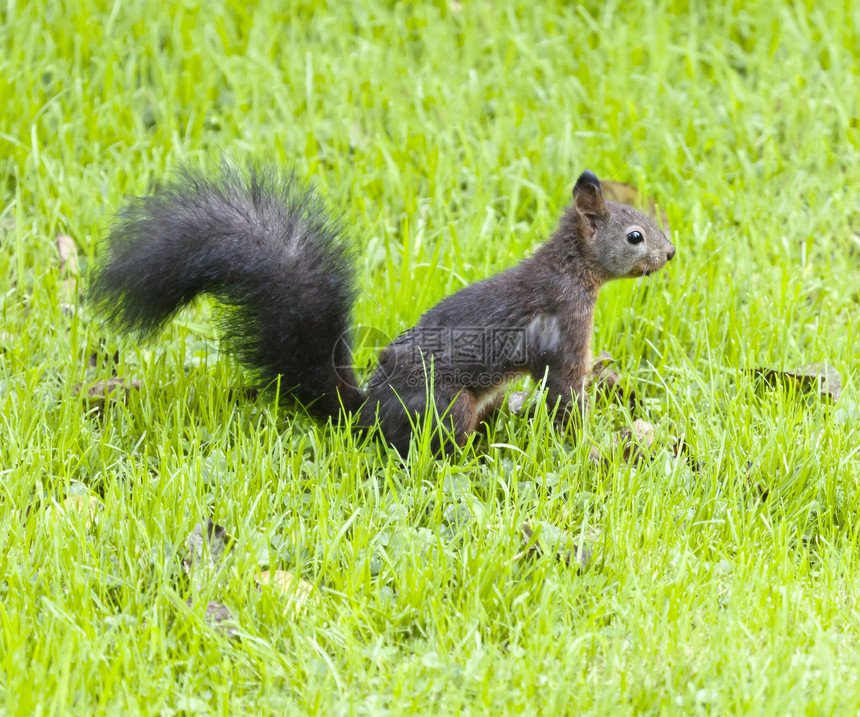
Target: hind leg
[464, 416]
[399, 414]
[456, 411]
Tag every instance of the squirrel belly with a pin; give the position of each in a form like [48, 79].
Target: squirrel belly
[263, 246]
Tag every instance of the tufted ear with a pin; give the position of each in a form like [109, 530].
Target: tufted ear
[588, 196]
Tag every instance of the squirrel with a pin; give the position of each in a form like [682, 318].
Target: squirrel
[263, 245]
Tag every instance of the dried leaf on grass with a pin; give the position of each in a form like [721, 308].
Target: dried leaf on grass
[681, 449]
[68, 252]
[762, 490]
[607, 381]
[632, 444]
[635, 442]
[602, 375]
[294, 589]
[219, 617]
[103, 390]
[208, 548]
[628, 194]
[88, 505]
[100, 357]
[597, 458]
[819, 377]
[547, 539]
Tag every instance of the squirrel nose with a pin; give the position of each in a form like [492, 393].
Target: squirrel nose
[670, 254]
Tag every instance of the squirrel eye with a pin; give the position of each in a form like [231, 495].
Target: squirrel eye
[635, 237]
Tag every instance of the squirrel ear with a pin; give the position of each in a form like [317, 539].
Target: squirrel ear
[588, 196]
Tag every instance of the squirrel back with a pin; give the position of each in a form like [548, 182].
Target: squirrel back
[265, 248]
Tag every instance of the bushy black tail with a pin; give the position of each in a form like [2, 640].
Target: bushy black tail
[262, 245]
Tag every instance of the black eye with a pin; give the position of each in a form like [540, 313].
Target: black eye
[635, 237]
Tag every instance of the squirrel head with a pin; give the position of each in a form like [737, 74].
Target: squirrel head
[616, 240]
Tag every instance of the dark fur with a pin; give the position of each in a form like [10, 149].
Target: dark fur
[264, 247]
[260, 244]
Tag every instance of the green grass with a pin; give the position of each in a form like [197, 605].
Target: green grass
[449, 137]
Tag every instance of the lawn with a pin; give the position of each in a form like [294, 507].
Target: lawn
[448, 136]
